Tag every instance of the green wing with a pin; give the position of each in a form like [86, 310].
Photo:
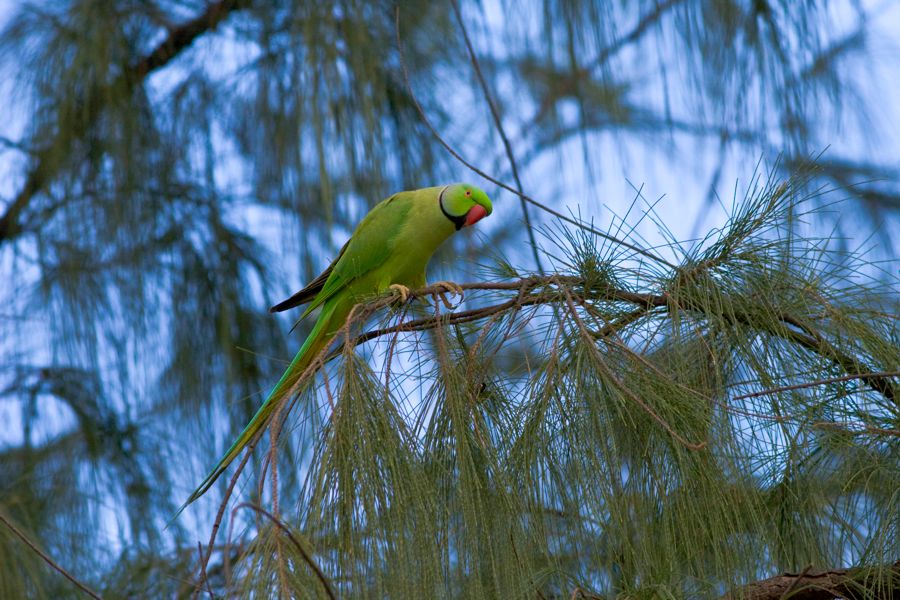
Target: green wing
[370, 246]
[312, 290]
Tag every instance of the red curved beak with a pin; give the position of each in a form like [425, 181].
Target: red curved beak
[475, 214]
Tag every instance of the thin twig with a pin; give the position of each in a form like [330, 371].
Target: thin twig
[46, 558]
[800, 386]
[306, 557]
[389, 360]
[476, 66]
[613, 327]
[497, 182]
[203, 574]
[813, 340]
[855, 428]
[623, 388]
[842, 426]
[221, 513]
[274, 431]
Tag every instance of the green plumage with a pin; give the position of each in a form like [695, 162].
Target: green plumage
[391, 245]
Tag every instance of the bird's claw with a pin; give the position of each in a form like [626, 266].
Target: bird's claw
[400, 290]
[451, 288]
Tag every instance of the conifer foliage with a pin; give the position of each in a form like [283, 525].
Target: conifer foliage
[606, 414]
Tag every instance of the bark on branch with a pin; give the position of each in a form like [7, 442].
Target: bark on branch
[548, 293]
[184, 35]
[178, 39]
[811, 584]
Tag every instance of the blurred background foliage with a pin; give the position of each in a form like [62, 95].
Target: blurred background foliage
[173, 167]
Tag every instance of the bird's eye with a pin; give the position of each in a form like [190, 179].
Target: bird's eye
[468, 193]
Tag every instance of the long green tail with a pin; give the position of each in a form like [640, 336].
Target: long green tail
[318, 338]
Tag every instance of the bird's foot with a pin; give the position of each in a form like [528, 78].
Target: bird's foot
[401, 291]
[449, 288]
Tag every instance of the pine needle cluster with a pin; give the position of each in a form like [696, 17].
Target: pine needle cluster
[609, 431]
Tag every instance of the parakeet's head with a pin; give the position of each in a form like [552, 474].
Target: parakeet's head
[464, 204]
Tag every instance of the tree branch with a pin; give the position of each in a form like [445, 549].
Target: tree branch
[878, 381]
[816, 383]
[46, 558]
[495, 114]
[326, 585]
[811, 584]
[183, 36]
[204, 559]
[178, 39]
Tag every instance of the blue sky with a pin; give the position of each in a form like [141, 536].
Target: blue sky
[621, 163]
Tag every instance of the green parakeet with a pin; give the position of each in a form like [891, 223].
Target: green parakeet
[389, 248]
